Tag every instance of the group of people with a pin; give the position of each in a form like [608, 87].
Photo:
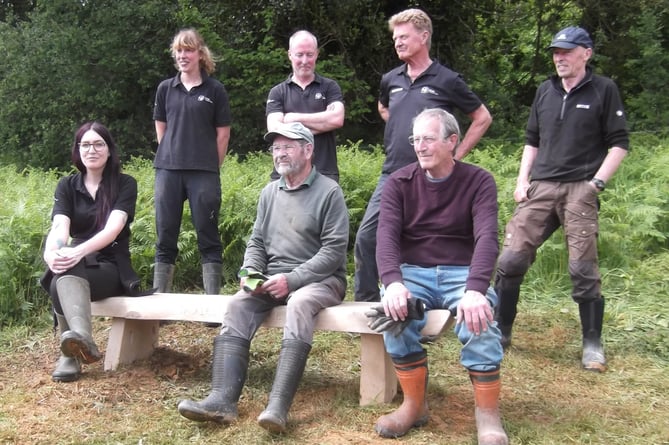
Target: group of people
[429, 234]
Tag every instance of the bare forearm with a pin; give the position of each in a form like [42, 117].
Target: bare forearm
[383, 112]
[526, 162]
[611, 163]
[481, 120]
[222, 141]
[322, 121]
[160, 130]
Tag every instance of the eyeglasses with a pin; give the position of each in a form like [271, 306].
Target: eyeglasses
[95, 146]
[277, 148]
[429, 140]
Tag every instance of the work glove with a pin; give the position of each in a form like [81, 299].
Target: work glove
[253, 279]
[380, 322]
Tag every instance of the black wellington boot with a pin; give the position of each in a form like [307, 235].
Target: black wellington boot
[289, 370]
[592, 317]
[508, 294]
[229, 367]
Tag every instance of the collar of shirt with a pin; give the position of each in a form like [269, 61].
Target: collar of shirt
[307, 182]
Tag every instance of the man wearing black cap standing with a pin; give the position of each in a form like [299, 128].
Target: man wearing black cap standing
[296, 257]
[576, 137]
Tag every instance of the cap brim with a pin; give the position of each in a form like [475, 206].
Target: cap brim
[563, 45]
[269, 136]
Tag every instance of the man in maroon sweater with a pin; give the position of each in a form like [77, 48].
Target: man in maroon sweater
[437, 242]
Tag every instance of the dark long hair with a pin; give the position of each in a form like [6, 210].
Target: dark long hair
[109, 187]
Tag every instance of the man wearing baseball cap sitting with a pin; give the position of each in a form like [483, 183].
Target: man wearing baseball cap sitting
[296, 256]
[576, 137]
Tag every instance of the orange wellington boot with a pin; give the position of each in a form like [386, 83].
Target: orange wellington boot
[487, 387]
[413, 411]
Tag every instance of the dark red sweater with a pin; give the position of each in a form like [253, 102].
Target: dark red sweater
[449, 223]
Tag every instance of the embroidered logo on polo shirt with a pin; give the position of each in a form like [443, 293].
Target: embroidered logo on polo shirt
[319, 96]
[583, 106]
[619, 113]
[428, 90]
[204, 98]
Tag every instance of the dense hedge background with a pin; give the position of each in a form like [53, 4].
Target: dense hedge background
[68, 61]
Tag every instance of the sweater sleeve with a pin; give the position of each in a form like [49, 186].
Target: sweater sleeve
[255, 256]
[388, 232]
[486, 243]
[333, 243]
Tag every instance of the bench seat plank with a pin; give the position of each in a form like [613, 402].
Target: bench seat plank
[135, 326]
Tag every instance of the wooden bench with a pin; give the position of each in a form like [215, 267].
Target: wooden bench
[135, 326]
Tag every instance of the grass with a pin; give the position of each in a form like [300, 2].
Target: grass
[546, 398]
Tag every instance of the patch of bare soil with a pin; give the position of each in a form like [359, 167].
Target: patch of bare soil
[137, 403]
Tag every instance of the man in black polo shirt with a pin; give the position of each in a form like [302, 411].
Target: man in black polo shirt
[420, 83]
[307, 97]
[192, 119]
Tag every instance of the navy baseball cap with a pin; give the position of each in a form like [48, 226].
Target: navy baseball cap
[571, 37]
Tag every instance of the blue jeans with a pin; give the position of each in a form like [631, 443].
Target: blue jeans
[442, 287]
[366, 279]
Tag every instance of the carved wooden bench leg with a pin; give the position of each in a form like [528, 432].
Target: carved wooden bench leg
[130, 340]
[378, 382]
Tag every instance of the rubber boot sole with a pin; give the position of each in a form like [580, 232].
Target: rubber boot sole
[194, 411]
[272, 423]
[389, 434]
[73, 344]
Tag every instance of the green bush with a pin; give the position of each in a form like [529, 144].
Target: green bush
[25, 209]
[633, 227]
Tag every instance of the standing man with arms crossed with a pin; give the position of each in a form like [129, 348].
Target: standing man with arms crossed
[299, 243]
[192, 119]
[437, 244]
[418, 84]
[576, 138]
[311, 99]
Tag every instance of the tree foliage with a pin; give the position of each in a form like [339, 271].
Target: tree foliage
[70, 61]
[76, 61]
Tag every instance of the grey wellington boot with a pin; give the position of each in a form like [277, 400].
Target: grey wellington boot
[163, 274]
[228, 373]
[67, 369]
[211, 279]
[289, 370]
[75, 298]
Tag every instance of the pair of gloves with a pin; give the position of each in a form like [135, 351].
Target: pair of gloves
[380, 322]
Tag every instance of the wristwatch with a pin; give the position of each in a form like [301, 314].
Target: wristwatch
[599, 184]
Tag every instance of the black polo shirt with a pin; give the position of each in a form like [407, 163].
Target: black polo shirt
[73, 200]
[437, 87]
[289, 97]
[192, 118]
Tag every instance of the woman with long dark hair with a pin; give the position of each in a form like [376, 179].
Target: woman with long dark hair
[87, 249]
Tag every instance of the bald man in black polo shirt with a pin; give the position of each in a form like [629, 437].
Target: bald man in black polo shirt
[307, 97]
